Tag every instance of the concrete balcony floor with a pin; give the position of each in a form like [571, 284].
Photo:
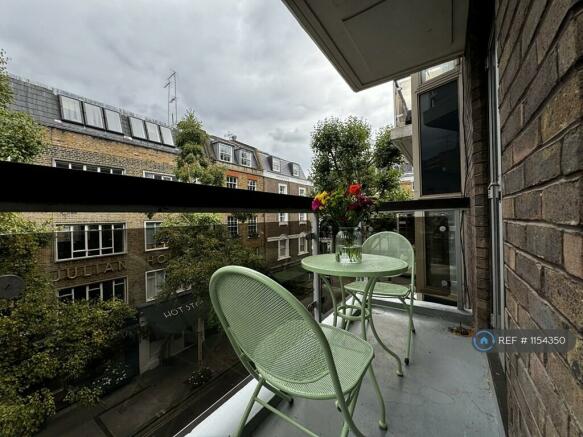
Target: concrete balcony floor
[447, 389]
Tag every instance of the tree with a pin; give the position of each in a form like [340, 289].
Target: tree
[193, 165]
[21, 138]
[199, 245]
[344, 154]
[46, 344]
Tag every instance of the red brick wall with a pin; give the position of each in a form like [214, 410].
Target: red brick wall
[539, 48]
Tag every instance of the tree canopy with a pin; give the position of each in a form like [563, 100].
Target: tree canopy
[345, 153]
[192, 164]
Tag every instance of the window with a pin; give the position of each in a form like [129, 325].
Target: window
[71, 109]
[437, 70]
[246, 158]
[137, 128]
[282, 188]
[167, 136]
[225, 153]
[93, 115]
[232, 182]
[439, 140]
[283, 218]
[252, 185]
[301, 191]
[154, 283]
[114, 289]
[153, 132]
[295, 170]
[150, 231]
[283, 248]
[302, 244]
[275, 164]
[303, 217]
[159, 176]
[113, 121]
[88, 167]
[252, 227]
[232, 226]
[84, 241]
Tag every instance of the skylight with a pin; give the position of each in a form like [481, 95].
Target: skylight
[137, 127]
[167, 136]
[113, 121]
[93, 115]
[153, 133]
[71, 109]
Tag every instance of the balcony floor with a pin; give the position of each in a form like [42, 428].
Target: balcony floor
[447, 389]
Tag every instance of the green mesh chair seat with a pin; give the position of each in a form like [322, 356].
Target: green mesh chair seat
[351, 354]
[285, 349]
[381, 289]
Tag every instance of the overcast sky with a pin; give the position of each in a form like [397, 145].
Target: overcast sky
[244, 66]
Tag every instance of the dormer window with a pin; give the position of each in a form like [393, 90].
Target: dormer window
[137, 128]
[295, 170]
[245, 158]
[71, 109]
[276, 164]
[225, 153]
[93, 115]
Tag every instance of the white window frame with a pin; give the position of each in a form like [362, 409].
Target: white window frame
[163, 176]
[72, 295]
[230, 226]
[275, 161]
[229, 182]
[228, 152]
[150, 299]
[303, 218]
[252, 222]
[281, 239]
[283, 218]
[86, 232]
[301, 191]
[251, 185]
[99, 167]
[246, 155]
[279, 188]
[301, 237]
[163, 246]
[295, 170]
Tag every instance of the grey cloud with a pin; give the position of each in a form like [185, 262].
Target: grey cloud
[244, 67]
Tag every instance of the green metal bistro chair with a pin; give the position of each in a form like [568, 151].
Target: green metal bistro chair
[286, 350]
[396, 246]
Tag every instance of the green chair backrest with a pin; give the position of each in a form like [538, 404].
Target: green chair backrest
[269, 325]
[391, 244]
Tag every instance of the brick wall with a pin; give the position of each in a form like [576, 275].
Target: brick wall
[475, 121]
[539, 49]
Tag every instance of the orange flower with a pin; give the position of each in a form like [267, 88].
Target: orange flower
[354, 189]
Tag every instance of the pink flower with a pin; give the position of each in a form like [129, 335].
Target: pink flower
[316, 205]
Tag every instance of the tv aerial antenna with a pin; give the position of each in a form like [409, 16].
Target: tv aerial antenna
[170, 85]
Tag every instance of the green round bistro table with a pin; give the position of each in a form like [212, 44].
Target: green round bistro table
[371, 268]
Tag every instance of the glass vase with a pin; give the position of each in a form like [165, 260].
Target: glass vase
[348, 244]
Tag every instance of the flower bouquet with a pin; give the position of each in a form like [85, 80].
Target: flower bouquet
[347, 208]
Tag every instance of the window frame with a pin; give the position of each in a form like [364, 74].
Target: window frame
[230, 178]
[284, 239]
[107, 126]
[163, 137]
[248, 154]
[302, 236]
[230, 148]
[164, 246]
[86, 237]
[418, 88]
[79, 105]
[163, 176]
[295, 170]
[230, 225]
[99, 167]
[145, 137]
[285, 220]
[100, 109]
[251, 183]
[157, 130]
[125, 291]
[252, 222]
[280, 186]
[273, 161]
[146, 284]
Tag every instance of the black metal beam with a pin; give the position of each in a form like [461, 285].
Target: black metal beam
[426, 204]
[36, 188]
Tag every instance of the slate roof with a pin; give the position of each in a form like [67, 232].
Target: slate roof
[42, 103]
[286, 166]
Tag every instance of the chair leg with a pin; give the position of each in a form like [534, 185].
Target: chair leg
[390, 352]
[348, 422]
[248, 409]
[383, 419]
